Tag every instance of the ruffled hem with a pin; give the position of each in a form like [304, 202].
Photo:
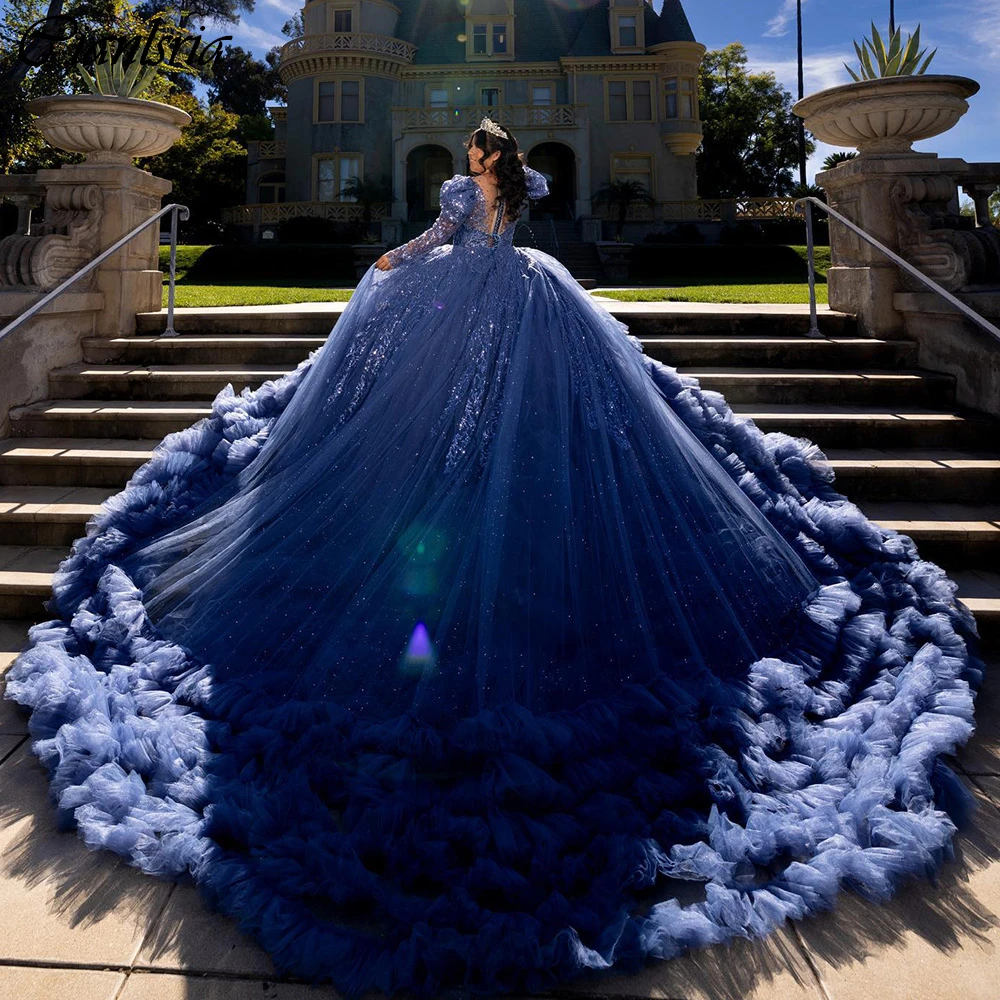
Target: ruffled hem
[511, 851]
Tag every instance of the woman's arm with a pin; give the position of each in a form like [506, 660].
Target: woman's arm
[538, 186]
[457, 200]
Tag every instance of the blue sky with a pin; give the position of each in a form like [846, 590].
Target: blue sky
[966, 33]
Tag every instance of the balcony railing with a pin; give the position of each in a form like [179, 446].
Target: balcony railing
[348, 41]
[727, 209]
[271, 213]
[466, 118]
[261, 149]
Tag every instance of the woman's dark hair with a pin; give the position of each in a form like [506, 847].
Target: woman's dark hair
[511, 182]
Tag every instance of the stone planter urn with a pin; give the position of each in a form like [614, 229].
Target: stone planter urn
[107, 129]
[615, 260]
[365, 254]
[886, 116]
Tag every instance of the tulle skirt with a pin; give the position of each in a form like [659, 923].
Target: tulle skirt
[483, 649]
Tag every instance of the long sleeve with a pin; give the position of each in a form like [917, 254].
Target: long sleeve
[458, 197]
[538, 186]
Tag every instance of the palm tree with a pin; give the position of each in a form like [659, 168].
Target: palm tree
[368, 193]
[623, 194]
[835, 159]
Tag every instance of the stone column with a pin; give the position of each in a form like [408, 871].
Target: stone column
[130, 279]
[872, 191]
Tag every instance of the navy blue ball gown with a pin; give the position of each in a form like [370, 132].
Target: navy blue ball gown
[482, 650]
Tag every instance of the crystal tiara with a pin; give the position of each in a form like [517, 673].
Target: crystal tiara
[487, 125]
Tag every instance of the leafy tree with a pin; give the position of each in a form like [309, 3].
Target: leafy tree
[207, 165]
[621, 195]
[243, 84]
[750, 145]
[227, 11]
[51, 68]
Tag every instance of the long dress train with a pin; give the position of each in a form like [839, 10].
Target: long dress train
[483, 649]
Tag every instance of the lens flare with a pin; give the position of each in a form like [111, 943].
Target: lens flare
[419, 658]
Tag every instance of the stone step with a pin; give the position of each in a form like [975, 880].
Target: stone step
[47, 515]
[955, 536]
[71, 461]
[918, 474]
[123, 418]
[794, 352]
[739, 385]
[645, 319]
[774, 352]
[979, 590]
[156, 381]
[838, 426]
[781, 385]
[829, 426]
[13, 638]
[26, 580]
[230, 349]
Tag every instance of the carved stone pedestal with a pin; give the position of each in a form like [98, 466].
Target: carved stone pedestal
[121, 197]
[874, 192]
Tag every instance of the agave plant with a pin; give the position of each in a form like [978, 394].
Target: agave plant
[113, 78]
[878, 60]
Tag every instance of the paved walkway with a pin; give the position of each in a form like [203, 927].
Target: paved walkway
[83, 925]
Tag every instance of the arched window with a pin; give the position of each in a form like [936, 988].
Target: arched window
[271, 188]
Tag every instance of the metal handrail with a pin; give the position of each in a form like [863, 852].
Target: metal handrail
[175, 210]
[555, 239]
[894, 257]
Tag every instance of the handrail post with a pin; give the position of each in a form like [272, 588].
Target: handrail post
[99, 259]
[811, 254]
[170, 331]
[951, 299]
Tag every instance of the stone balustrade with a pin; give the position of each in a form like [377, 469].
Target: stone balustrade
[23, 191]
[272, 213]
[467, 117]
[348, 41]
[980, 183]
[264, 149]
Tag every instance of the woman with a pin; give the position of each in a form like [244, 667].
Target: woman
[446, 659]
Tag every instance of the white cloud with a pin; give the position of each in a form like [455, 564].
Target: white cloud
[287, 7]
[782, 22]
[820, 70]
[249, 36]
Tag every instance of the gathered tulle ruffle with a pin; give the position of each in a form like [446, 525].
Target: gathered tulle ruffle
[509, 849]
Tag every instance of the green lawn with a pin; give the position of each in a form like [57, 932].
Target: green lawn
[721, 289]
[186, 256]
[749, 294]
[822, 258]
[252, 295]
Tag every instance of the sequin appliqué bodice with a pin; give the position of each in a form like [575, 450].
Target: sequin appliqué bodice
[467, 220]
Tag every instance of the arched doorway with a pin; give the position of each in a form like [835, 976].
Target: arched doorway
[427, 168]
[558, 163]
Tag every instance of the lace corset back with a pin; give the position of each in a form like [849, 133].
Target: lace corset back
[468, 219]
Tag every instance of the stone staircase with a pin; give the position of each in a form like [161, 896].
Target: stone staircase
[901, 447]
[580, 258]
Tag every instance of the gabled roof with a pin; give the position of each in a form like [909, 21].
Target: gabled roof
[545, 30]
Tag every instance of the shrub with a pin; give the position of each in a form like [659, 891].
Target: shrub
[659, 263]
[278, 264]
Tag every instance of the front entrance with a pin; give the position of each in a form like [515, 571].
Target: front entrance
[558, 163]
[427, 168]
